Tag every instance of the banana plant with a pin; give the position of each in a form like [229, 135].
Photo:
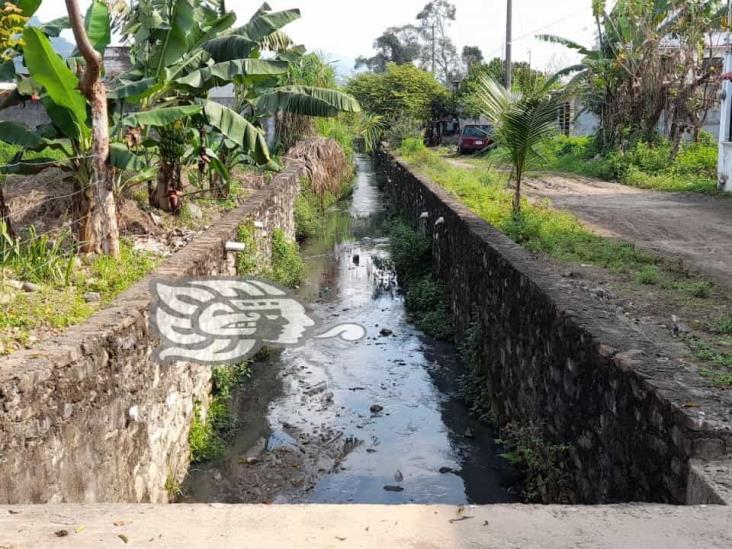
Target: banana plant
[182, 51]
[71, 131]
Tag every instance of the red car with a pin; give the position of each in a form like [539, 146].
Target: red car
[474, 138]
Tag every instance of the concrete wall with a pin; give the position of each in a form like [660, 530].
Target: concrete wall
[87, 416]
[556, 360]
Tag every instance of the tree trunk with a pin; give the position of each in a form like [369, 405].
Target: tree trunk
[105, 231]
[5, 215]
[517, 196]
[98, 229]
[167, 192]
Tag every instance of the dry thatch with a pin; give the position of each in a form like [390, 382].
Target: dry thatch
[325, 164]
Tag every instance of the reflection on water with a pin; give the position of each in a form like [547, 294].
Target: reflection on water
[391, 399]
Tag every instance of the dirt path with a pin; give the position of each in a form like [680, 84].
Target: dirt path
[693, 227]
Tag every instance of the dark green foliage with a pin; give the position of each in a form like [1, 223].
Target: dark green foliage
[403, 92]
[544, 466]
[424, 297]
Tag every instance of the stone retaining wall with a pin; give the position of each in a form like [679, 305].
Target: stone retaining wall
[635, 419]
[87, 416]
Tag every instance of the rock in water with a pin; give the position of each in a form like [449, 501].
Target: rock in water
[376, 408]
[386, 332]
[398, 476]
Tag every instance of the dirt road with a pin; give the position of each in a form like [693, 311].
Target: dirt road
[693, 227]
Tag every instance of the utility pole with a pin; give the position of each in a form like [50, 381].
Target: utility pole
[509, 28]
[434, 51]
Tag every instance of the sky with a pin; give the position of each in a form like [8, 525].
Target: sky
[345, 29]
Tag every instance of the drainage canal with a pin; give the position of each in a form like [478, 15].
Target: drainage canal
[378, 421]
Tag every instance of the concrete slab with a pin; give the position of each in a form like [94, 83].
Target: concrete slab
[368, 526]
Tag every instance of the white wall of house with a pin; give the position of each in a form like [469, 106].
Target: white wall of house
[724, 163]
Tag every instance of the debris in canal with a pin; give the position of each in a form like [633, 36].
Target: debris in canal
[392, 488]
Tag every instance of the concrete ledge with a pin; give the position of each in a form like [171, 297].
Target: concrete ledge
[379, 526]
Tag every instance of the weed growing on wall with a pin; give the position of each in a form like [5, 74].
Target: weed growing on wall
[542, 465]
[287, 265]
[207, 436]
[424, 297]
[247, 262]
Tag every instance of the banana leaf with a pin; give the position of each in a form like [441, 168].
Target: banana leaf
[222, 73]
[306, 100]
[49, 70]
[160, 117]
[238, 129]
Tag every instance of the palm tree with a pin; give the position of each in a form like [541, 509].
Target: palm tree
[521, 121]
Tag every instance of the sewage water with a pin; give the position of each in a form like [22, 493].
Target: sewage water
[375, 421]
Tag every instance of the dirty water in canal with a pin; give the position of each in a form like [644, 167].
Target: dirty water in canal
[376, 421]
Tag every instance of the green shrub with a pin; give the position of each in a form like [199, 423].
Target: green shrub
[287, 265]
[642, 165]
[208, 435]
[204, 442]
[37, 258]
[308, 217]
[723, 325]
[424, 297]
[647, 276]
[410, 252]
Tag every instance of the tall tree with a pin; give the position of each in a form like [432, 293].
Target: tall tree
[103, 229]
[439, 52]
[472, 55]
[398, 45]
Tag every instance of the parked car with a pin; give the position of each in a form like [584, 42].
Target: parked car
[474, 138]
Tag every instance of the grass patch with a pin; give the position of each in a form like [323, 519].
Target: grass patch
[643, 165]
[285, 267]
[561, 236]
[64, 282]
[540, 228]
